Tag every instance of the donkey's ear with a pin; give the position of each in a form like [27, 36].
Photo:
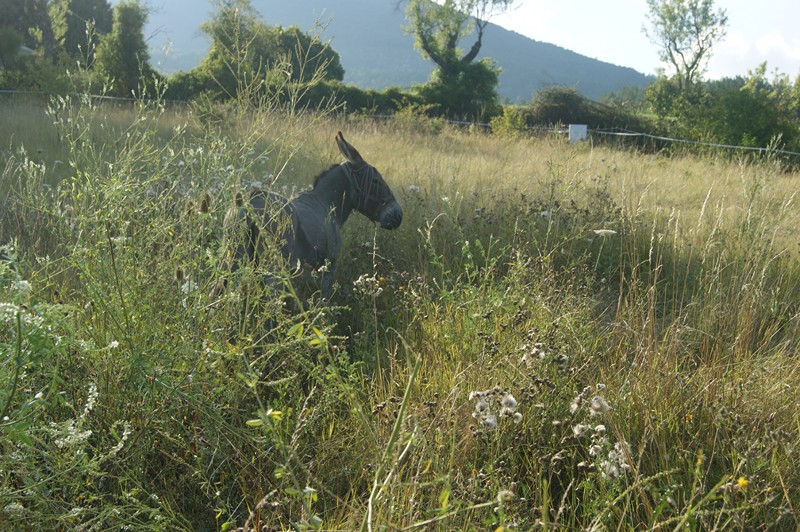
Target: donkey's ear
[349, 152]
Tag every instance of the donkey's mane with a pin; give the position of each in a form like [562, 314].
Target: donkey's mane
[323, 173]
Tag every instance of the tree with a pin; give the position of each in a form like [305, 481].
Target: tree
[30, 19]
[122, 55]
[10, 44]
[71, 20]
[686, 31]
[245, 52]
[438, 30]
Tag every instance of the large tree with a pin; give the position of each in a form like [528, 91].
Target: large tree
[246, 52]
[440, 27]
[122, 55]
[460, 85]
[71, 20]
[686, 31]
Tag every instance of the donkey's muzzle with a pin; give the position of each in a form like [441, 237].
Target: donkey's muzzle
[392, 216]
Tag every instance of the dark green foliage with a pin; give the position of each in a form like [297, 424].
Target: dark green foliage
[465, 92]
[753, 111]
[122, 56]
[71, 19]
[30, 19]
[10, 44]
[247, 54]
[564, 105]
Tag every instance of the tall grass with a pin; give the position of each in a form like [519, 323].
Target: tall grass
[557, 336]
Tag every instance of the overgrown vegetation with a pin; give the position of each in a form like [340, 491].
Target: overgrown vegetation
[557, 335]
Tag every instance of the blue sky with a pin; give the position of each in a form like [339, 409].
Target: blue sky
[611, 30]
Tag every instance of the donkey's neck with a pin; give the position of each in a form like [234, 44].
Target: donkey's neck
[335, 191]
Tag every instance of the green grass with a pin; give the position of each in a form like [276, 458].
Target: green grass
[643, 312]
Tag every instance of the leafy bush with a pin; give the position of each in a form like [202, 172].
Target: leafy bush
[561, 105]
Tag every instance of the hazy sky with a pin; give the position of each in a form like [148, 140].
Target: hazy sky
[611, 31]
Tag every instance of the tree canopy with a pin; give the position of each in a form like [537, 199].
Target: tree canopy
[122, 55]
[686, 31]
[72, 20]
[245, 50]
[460, 87]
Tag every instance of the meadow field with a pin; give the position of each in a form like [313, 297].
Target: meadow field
[569, 337]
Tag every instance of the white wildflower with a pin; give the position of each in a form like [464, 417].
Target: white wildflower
[113, 344]
[509, 402]
[600, 430]
[413, 189]
[579, 430]
[575, 404]
[22, 286]
[14, 508]
[598, 406]
[604, 232]
[490, 421]
[189, 287]
[482, 405]
[517, 417]
[91, 399]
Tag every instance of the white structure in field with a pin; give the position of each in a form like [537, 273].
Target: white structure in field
[577, 132]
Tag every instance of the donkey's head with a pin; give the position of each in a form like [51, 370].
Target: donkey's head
[373, 197]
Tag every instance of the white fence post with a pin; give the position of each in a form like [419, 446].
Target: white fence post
[577, 132]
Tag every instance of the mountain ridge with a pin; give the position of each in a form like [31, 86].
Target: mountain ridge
[376, 52]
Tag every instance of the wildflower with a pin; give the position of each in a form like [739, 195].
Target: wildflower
[113, 345]
[742, 483]
[188, 287]
[22, 286]
[14, 508]
[604, 232]
[517, 417]
[509, 401]
[579, 430]
[600, 430]
[481, 406]
[505, 495]
[490, 421]
[413, 189]
[598, 406]
[91, 398]
[368, 285]
[575, 404]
